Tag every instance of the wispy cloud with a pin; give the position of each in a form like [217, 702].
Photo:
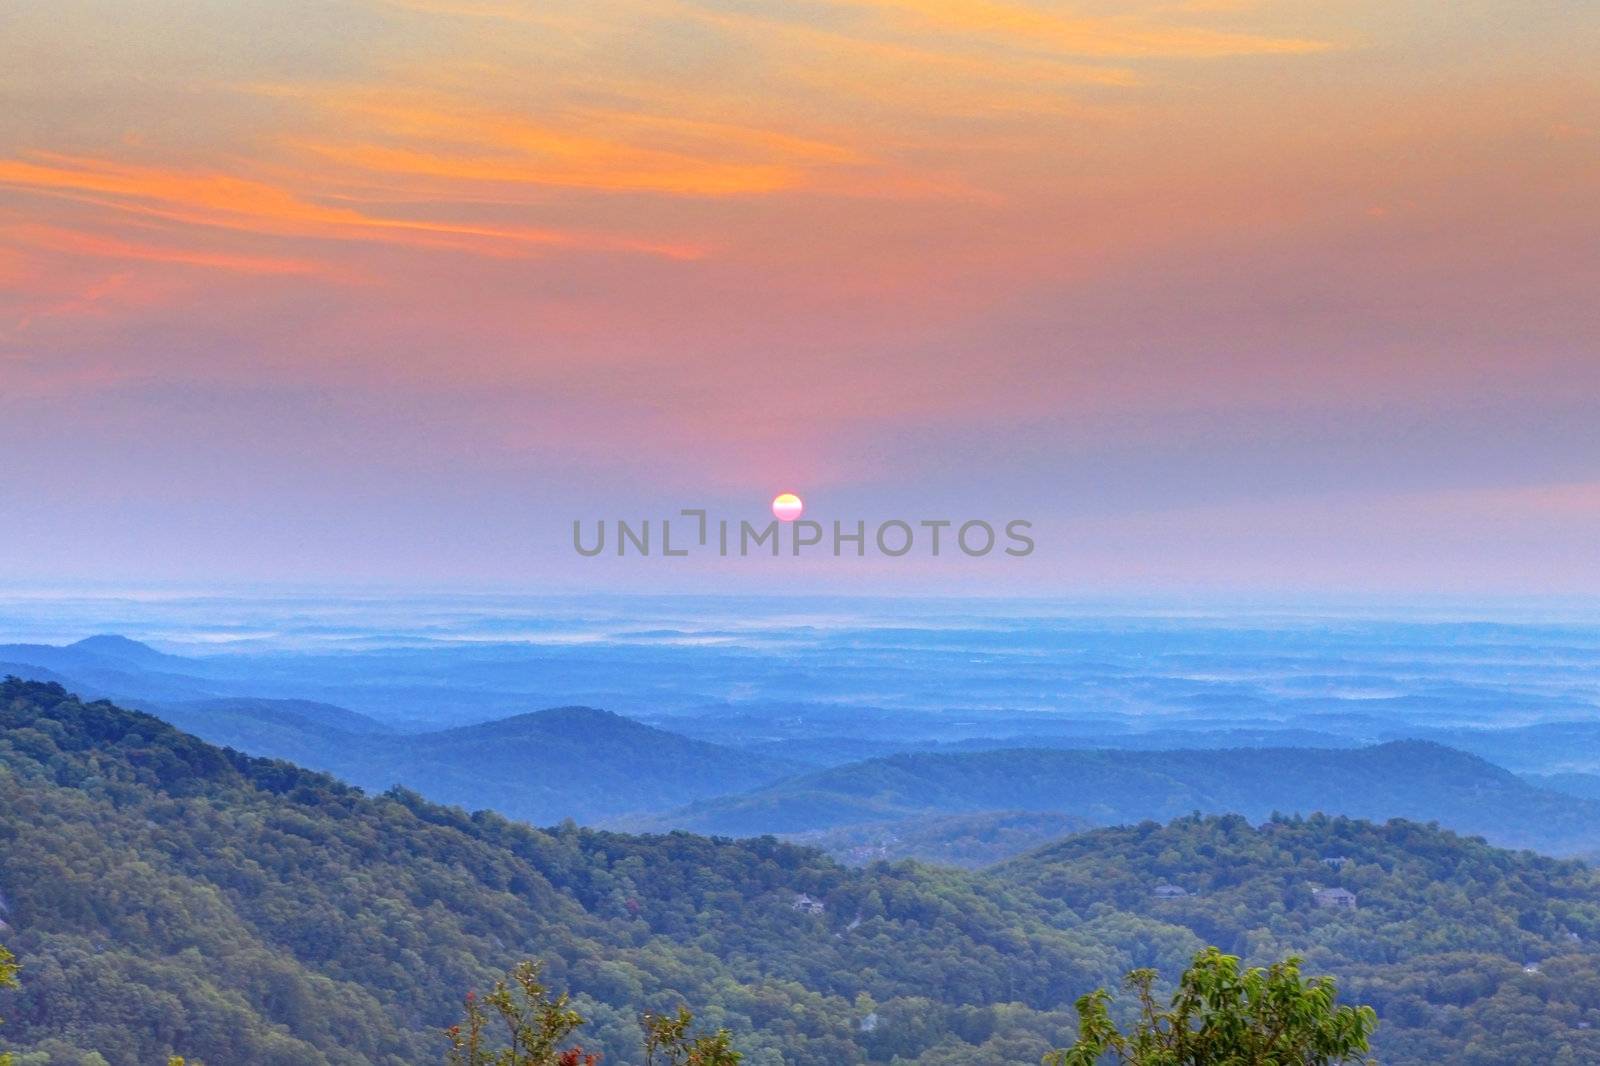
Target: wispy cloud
[213, 198]
[76, 242]
[1143, 31]
[435, 136]
[1036, 29]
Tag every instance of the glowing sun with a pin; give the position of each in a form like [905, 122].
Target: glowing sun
[786, 507]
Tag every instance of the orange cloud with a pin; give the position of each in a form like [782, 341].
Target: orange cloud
[937, 80]
[215, 199]
[698, 180]
[1122, 35]
[79, 243]
[1027, 27]
[437, 135]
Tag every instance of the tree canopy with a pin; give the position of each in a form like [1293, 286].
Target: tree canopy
[1222, 1016]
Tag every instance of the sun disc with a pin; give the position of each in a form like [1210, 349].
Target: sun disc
[786, 507]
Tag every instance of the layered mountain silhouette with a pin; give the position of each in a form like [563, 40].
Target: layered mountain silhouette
[542, 766]
[1402, 779]
[599, 767]
[564, 762]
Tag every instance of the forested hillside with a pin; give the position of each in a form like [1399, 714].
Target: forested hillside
[523, 766]
[167, 896]
[1469, 953]
[968, 840]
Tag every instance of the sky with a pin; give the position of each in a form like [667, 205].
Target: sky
[1253, 295]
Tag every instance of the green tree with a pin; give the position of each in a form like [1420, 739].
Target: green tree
[538, 1024]
[667, 1042]
[8, 979]
[1222, 1017]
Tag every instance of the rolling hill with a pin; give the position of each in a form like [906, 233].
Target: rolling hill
[301, 731]
[1254, 890]
[108, 666]
[1547, 747]
[564, 762]
[164, 895]
[1403, 779]
[825, 751]
[967, 840]
[543, 766]
[524, 765]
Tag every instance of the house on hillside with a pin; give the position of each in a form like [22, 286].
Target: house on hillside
[1340, 899]
[806, 903]
[1168, 892]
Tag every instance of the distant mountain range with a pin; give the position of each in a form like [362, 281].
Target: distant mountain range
[1405, 779]
[106, 666]
[870, 795]
[565, 762]
[303, 731]
[544, 766]
[827, 751]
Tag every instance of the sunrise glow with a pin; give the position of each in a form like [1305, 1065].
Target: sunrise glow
[786, 507]
[1240, 292]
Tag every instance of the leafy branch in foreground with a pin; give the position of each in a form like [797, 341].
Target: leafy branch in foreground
[539, 1024]
[8, 979]
[667, 1042]
[1222, 1017]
